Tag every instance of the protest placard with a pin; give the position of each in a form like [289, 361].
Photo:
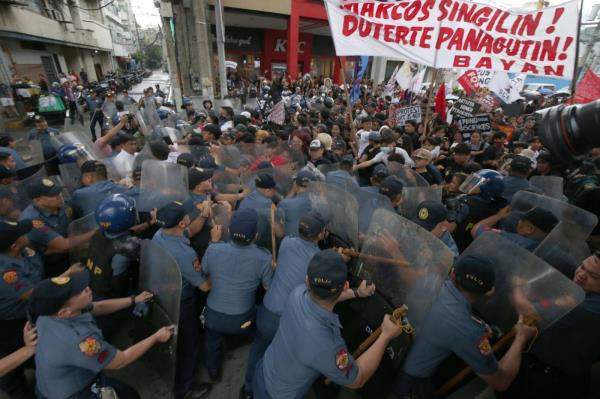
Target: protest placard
[469, 81]
[458, 34]
[481, 123]
[465, 108]
[407, 114]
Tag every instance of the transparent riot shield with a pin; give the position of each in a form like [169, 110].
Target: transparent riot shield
[368, 203]
[523, 201]
[198, 151]
[407, 176]
[21, 187]
[152, 118]
[552, 186]
[160, 275]
[564, 248]
[407, 263]
[270, 227]
[227, 183]
[162, 183]
[142, 127]
[78, 227]
[71, 175]
[326, 168]
[84, 148]
[30, 151]
[524, 284]
[339, 208]
[109, 109]
[237, 156]
[282, 175]
[413, 196]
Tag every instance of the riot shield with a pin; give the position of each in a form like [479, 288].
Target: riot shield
[407, 176]
[109, 109]
[152, 118]
[368, 203]
[78, 227]
[413, 196]
[339, 208]
[160, 275]
[161, 183]
[283, 176]
[523, 201]
[524, 284]
[198, 151]
[564, 248]
[552, 186]
[407, 263]
[326, 168]
[21, 187]
[237, 156]
[142, 127]
[30, 151]
[71, 175]
[227, 183]
[84, 148]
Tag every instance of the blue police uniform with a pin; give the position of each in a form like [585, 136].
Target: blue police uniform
[525, 242]
[294, 255]
[235, 273]
[45, 137]
[16, 156]
[513, 184]
[450, 328]
[255, 200]
[46, 226]
[450, 243]
[293, 209]
[85, 199]
[341, 178]
[308, 344]
[19, 275]
[71, 353]
[189, 327]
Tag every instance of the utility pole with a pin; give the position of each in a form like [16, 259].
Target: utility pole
[203, 48]
[166, 14]
[221, 47]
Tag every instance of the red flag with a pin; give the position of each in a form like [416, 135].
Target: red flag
[588, 88]
[440, 102]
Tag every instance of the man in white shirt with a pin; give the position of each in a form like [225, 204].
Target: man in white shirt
[362, 136]
[123, 161]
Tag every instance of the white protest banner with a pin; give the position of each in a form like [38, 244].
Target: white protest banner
[407, 114]
[417, 81]
[389, 87]
[458, 34]
[500, 85]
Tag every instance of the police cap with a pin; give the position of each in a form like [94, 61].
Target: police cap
[171, 214]
[198, 175]
[475, 273]
[50, 295]
[541, 218]
[429, 214]
[264, 180]
[11, 231]
[327, 273]
[43, 187]
[311, 224]
[244, 225]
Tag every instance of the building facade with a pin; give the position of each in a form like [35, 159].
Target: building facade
[48, 37]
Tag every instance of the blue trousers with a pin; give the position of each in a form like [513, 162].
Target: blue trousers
[217, 326]
[267, 323]
[96, 117]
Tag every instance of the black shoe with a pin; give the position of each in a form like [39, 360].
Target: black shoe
[244, 394]
[198, 391]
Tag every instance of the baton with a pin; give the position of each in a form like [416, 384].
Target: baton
[397, 318]
[502, 342]
[273, 240]
[355, 254]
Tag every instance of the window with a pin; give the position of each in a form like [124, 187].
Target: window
[25, 45]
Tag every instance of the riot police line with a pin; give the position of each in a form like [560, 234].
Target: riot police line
[183, 238]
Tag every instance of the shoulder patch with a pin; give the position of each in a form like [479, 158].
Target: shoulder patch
[37, 223]
[342, 361]
[69, 211]
[29, 252]
[484, 345]
[196, 264]
[90, 346]
[10, 277]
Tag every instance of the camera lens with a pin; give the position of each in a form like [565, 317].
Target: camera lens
[569, 131]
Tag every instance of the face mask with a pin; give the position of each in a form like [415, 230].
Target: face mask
[386, 150]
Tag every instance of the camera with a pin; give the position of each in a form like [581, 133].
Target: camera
[569, 131]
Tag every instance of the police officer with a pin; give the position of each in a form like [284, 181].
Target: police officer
[261, 196]
[20, 269]
[531, 230]
[292, 264]
[390, 198]
[96, 187]
[483, 189]
[51, 218]
[45, 134]
[450, 327]
[71, 352]
[172, 237]
[520, 167]
[433, 217]
[294, 207]
[236, 269]
[113, 252]
[343, 177]
[308, 342]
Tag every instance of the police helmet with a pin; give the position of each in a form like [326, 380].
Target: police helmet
[116, 214]
[68, 153]
[490, 183]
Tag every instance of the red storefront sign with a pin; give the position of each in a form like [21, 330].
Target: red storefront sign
[276, 49]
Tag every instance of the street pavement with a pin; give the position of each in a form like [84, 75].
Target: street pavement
[158, 77]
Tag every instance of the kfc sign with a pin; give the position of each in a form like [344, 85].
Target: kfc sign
[280, 46]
